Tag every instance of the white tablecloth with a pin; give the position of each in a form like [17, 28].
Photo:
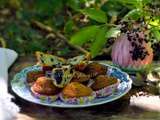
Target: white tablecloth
[8, 110]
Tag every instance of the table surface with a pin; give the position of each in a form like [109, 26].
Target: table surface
[116, 110]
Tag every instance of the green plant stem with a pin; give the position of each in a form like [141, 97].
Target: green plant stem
[3, 43]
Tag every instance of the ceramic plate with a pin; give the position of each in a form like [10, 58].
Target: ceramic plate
[20, 87]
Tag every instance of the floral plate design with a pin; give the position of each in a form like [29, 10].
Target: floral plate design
[20, 87]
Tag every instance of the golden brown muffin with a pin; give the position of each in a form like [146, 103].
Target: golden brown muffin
[80, 77]
[75, 89]
[81, 66]
[33, 75]
[45, 86]
[102, 81]
[94, 69]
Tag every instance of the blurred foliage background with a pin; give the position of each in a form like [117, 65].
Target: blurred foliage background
[65, 27]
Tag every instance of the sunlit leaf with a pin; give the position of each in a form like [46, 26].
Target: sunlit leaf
[84, 35]
[155, 22]
[133, 14]
[99, 42]
[100, 39]
[135, 3]
[156, 33]
[112, 32]
[95, 14]
[132, 3]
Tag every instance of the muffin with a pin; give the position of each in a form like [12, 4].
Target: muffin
[104, 85]
[102, 81]
[49, 59]
[77, 93]
[33, 75]
[62, 76]
[45, 86]
[80, 77]
[94, 69]
[80, 66]
[44, 89]
[75, 89]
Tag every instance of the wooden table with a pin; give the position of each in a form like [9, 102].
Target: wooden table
[117, 110]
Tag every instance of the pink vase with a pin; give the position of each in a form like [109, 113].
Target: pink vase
[122, 52]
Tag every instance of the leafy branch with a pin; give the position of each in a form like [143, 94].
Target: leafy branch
[49, 30]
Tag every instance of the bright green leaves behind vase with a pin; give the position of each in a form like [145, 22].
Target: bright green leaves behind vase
[95, 14]
[97, 36]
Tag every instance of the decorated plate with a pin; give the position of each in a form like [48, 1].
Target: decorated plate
[20, 87]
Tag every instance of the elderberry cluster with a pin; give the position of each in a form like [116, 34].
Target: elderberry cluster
[139, 51]
[135, 38]
[110, 41]
[124, 26]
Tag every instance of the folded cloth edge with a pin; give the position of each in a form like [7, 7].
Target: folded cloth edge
[11, 56]
[8, 110]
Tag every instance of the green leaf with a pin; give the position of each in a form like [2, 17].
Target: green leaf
[69, 26]
[156, 33]
[95, 14]
[3, 3]
[133, 14]
[99, 42]
[112, 7]
[101, 37]
[63, 52]
[135, 3]
[48, 7]
[84, 35]
[154, 22]
[16, 4]
[74, 4]
[132, 3]
[113, 32]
